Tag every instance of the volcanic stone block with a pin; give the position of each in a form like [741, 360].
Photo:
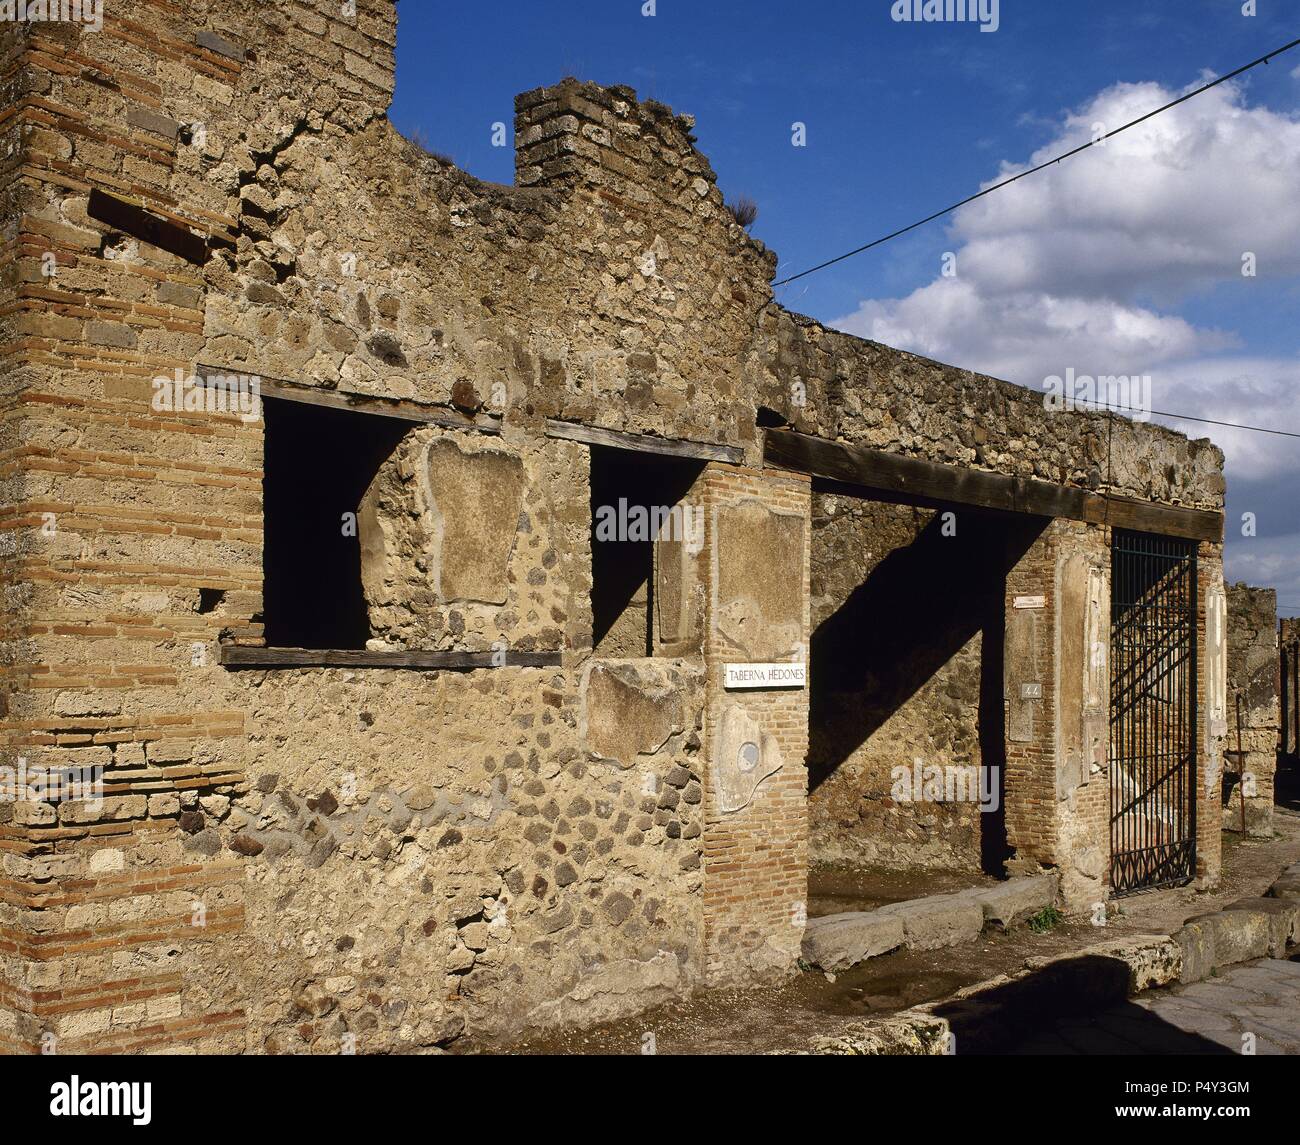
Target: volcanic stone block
[911, 1034]
[1238, 935]
[1197, 944]
[1015, 900]
[1286, 887]
[1283, 921]
[839, 941]
[938, 921]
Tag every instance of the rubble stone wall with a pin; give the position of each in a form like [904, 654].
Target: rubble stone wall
[1253, 708]
[891, 692]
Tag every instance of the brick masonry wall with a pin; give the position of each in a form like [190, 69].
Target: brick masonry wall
[1058, 775]
[756, 857]
[1030, 783]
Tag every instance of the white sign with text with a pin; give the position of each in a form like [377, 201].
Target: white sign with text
[766, 676]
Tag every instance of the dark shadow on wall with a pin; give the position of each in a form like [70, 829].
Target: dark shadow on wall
[916, 610]
[1286, 783]
[994, 849]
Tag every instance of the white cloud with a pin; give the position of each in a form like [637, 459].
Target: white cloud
[1247, 391]
[1171, 203]
[1083, 264]
[1027, 336]
[1267, 560]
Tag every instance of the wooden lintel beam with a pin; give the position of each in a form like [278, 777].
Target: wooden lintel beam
[243, 656]
[134, 220]
[404, 409]
[1169, 520]
[643, 442]
[932, 481]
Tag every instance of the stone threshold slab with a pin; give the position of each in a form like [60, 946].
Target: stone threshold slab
[839, 941]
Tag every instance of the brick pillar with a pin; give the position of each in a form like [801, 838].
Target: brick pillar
[1057, 699]
[756, 562]
[1213, 708]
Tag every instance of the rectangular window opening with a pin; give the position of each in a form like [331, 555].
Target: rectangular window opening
[318, 462]
[632, 494]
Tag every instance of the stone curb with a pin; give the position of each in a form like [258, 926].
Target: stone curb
[991, 1015]
[840, 941]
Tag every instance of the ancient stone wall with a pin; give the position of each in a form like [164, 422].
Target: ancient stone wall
[897, 676]
[1289, 640]
[1059, 773]
[286, 857]
[1253, 708]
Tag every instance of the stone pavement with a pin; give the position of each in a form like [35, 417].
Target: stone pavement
[1260, 998]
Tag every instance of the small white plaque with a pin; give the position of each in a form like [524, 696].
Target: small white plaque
[1031, 602]
[766, 676]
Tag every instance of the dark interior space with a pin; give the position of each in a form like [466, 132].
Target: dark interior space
[994, 848]
[318, 464]
[916, 610]
[622, 584]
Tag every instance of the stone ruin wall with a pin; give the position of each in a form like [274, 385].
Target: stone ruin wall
[1289, 641]
[289, 855]
[854, 817]
[1253, 678]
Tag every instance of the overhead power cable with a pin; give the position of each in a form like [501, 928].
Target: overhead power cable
[1042, 166]
[1097, 408]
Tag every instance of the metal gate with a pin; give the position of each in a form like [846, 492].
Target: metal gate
[1152, 712]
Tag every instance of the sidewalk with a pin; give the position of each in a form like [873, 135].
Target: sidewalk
[1251, 1008]
[783, 1018]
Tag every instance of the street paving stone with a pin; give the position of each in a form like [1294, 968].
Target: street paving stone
[1260, 998]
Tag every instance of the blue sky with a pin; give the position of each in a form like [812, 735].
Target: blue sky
[904, 118]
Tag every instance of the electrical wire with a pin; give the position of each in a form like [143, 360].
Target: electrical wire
[1042, 166]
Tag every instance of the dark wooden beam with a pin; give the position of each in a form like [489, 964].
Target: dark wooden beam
[930, 481]
[643, 442]
[404, 409]
[243, 656]
[132, 219]
[1149, 517]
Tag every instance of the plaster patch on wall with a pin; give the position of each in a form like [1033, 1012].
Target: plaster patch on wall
[758, 570]
[474, 499]
[746, 755]
[630, 709]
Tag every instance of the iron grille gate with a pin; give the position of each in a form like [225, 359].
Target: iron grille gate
[1152, 712]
